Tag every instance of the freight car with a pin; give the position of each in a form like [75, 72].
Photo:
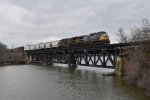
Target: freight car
[54, 44]
[37, 46]
[48, 45]
[42, 45]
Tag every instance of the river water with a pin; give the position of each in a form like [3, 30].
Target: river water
[32, 82]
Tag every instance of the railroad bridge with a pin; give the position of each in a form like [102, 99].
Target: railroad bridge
[96, 55]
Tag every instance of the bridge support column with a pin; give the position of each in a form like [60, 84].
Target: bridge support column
[28, 58]
[104, 60]
[49, 59]
[71, 59]
[86, 58]
[120, 66]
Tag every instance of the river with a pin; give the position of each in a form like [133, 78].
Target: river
[35, 82]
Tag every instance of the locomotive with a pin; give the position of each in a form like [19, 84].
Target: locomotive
[98, 38]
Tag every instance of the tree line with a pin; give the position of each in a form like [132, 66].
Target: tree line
[11, 56]
[3, 50]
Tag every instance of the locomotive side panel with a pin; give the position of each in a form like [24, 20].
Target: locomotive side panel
[72, 41]
[63, 42]
[82, 40]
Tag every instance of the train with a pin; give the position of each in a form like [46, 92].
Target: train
[97, 38]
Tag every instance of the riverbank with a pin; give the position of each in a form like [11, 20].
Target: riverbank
[138, 66]
[12, 64]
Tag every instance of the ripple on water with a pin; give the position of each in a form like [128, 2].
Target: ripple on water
[32, 82]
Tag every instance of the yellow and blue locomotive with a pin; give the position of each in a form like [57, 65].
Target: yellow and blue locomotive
[99, 38]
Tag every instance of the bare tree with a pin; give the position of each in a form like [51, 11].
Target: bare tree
[142, 33]
[123, 38]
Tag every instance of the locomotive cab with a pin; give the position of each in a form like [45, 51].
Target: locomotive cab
[99, 38]
[104, 37]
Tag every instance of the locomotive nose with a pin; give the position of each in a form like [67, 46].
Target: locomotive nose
[104, 37]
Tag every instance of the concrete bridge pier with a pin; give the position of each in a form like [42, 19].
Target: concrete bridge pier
[121, 65]
[28, 58]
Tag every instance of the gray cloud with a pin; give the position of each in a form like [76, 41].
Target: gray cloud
[32, 21]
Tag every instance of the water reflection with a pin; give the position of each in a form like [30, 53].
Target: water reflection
[123, 86]
[32, 82]
[71, 70]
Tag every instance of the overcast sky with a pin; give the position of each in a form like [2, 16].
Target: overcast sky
[31, 21]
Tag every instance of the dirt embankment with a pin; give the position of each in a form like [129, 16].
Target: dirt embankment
[138, 66]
